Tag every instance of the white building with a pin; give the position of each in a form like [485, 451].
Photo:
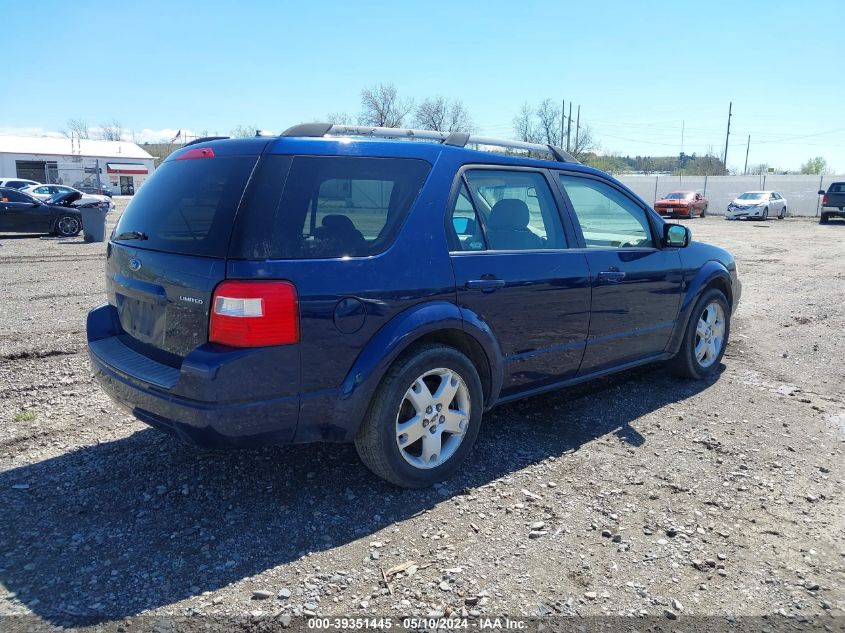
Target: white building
[119, 166]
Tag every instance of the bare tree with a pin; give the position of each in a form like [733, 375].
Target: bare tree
[524, 126]
[111, 130]
[548, 119]
[439, 113]
[339, 118]
[77, 128]
[583, 142]
[381, 106]
[244, 131]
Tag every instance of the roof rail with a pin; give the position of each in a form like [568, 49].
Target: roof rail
[456, 139]
[205, 139]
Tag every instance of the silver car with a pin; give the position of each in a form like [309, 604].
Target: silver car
[44, 192]
[758, 205]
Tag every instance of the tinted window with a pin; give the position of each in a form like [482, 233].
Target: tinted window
[518, 209]
[465, 227]
[607, 217]
[12, 195]
[330, 206]
[188, 206]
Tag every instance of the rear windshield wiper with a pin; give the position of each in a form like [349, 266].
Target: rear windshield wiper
[132, 235]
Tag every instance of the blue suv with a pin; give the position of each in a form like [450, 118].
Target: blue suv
[324, 286]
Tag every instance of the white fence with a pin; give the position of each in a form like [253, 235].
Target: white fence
[801, 192]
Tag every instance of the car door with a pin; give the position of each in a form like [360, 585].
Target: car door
[699, 203]
[636, 283]
[22, 211]
[515, 271]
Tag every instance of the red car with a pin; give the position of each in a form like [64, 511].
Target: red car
[682, 204]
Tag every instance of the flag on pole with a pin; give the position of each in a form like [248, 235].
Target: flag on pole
[177, 137]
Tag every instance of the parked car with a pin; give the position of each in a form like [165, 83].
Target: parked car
[22, 213]
[387, 292]
[43, 192]
[833, 198]
[101, 190]
[682, 204]
[757, 204]
[17, 183]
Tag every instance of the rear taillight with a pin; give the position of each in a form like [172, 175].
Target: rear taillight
[254, 314]
[824, 200]
[197, 152]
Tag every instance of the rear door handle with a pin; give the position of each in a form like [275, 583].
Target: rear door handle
[611, 276]
[485, 285]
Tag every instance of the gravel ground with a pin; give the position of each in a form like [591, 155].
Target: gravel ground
[636, 495]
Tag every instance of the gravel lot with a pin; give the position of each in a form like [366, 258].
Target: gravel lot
[636, 495]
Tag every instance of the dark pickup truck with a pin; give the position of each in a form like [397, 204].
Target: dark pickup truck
[833, 202]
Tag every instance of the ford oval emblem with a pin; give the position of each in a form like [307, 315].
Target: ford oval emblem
[134, 264]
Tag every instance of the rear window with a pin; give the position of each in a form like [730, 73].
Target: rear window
[188, 206]
[326, 206]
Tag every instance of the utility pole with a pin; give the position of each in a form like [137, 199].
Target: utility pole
[577, 128]
[562, 115]
[747, 148]
[727, 135]
[682, 137]
[569, 126]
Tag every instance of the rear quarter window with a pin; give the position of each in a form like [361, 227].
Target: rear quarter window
[189, 206]
[313, 207]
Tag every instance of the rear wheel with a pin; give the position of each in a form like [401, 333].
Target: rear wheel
[782, 214]
[424, 418]
[67, 226]
[703, 211]
[825, 217]
[706, 337]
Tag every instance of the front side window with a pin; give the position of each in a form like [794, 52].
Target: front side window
[517, 208]
[608, 218]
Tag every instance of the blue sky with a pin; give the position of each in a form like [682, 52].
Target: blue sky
[637, 69]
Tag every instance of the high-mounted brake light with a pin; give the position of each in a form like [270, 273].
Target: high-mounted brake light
[254, 314]
[197, 152]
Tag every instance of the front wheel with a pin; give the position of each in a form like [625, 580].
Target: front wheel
[424, 418]
[706, 337]
[67, 226]
[766, 213]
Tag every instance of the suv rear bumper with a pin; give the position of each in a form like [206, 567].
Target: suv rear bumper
[217, 398]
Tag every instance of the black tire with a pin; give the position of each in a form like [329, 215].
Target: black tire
[825, 217]
[376, 441]
[765, 214]
[782, 214]
[703, 212]
[67, 226]
[685, 363]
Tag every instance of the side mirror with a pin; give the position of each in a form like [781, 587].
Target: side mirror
[676, 235]
[822, 192]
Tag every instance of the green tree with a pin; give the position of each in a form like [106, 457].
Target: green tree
[817, 165]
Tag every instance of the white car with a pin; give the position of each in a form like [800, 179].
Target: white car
[757, 204]
[17, 183]
[43, 192]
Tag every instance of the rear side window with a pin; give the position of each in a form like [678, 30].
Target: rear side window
[330, 206]
[188, 206]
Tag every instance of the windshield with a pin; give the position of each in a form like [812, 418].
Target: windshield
[678, 195]
[751, 195]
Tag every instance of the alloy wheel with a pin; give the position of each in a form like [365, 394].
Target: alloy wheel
[433, 418]
[710, 334]
[68, 226]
